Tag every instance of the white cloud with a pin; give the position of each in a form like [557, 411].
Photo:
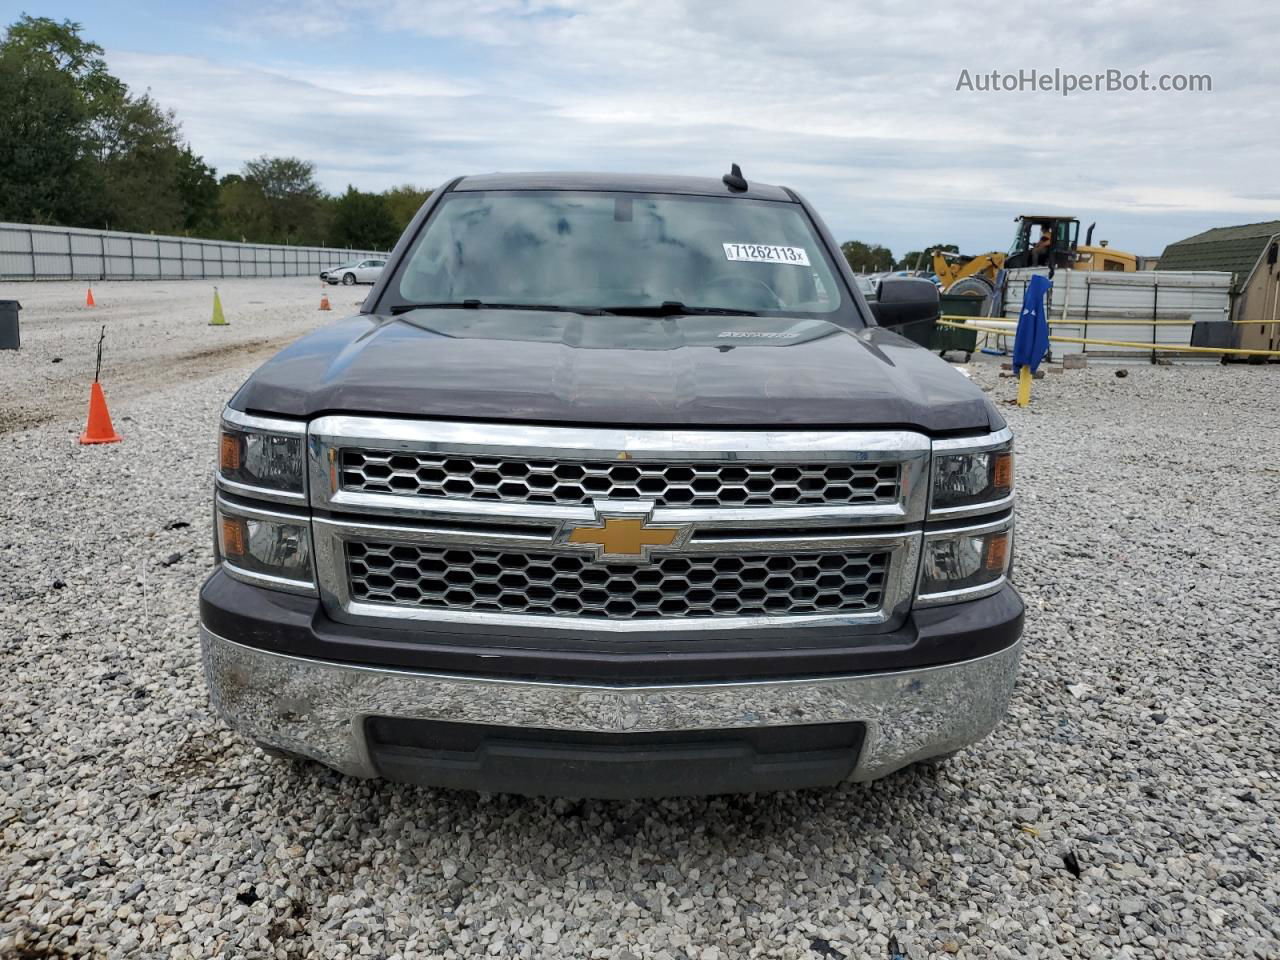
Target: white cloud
[853, 104]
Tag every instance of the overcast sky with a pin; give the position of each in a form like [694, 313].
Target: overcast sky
[853, 104]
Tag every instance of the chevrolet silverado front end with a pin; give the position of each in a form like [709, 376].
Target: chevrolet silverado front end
[719, 542]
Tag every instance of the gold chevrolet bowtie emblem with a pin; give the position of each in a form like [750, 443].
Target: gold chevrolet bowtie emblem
[625, 537]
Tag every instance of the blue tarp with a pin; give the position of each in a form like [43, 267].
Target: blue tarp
[1031, 340]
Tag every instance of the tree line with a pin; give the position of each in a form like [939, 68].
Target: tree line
[874, 258]
[78, 148]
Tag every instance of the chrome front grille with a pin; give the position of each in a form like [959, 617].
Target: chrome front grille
[570, 585]
[509, 526]
[576, 482]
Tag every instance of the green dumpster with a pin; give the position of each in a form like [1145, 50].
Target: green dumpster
[922, 332]
[950, 338]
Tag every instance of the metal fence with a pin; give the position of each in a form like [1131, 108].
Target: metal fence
[1160, 307]
[29, 252]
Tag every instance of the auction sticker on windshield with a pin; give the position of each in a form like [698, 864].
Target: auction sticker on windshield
[766, 253]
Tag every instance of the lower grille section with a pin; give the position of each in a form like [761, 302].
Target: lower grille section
[569, 585]
[621, 766]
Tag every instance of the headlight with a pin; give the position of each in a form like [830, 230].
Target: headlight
[971, 561]
[266, 455]
[269, 548]
[971, 479]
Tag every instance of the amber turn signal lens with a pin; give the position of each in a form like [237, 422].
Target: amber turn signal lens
[997, 551]
[229, 452]
[1002, 472]
[235, 537]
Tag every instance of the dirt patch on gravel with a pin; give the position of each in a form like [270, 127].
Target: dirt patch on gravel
[22, 418]
[138, 379]
[157, 336]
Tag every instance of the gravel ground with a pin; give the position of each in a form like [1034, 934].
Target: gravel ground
[1141, 743]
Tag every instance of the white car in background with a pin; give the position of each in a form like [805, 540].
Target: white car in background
[359, 271]
[867, 284]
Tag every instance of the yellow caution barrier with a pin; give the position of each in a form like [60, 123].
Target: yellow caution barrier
[953, 321]
[1137, 322]
[1123, 323]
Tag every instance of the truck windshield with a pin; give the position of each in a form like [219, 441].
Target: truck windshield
[600, 250]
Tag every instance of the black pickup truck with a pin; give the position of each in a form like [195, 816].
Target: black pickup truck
[616, 486]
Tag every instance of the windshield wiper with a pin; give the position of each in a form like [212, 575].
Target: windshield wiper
[674, 308]
[482, 305]
[668, 308]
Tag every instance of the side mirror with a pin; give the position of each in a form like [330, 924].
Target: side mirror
[903, 300]
[910, 306]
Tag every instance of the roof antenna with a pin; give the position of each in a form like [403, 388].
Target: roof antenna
[734, 179]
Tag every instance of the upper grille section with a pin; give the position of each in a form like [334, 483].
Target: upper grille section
[573, 585]
[579, 482]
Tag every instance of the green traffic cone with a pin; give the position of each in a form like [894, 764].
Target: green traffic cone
[219, 319]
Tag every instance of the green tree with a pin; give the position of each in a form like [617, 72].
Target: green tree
[198, 191]
[867, 257]
[243, 210]
[363, 220]
[404, 202]
[283, 178]
[81, 149]
[45, 174]
[140, 157]
[60, 47]
[295, 205]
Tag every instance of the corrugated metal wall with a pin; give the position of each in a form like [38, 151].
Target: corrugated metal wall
[1104, 305]
[29, 252]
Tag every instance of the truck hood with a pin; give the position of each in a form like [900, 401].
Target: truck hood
[552, 367]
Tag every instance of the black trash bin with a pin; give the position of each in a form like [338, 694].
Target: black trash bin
[9, 338]
[953, 338]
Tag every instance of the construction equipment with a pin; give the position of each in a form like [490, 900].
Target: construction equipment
[1042, 240]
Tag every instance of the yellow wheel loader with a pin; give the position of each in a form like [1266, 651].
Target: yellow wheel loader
[1041, 241]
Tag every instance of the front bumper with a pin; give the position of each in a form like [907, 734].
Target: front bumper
[322, 709]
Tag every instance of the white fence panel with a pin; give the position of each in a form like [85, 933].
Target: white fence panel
[33, 252]
[1103, 305]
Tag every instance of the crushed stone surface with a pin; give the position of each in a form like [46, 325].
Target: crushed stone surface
[1140, 748]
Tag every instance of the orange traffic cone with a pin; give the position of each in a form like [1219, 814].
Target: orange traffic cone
[324, 302]
[99, 429]
[88, 300]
